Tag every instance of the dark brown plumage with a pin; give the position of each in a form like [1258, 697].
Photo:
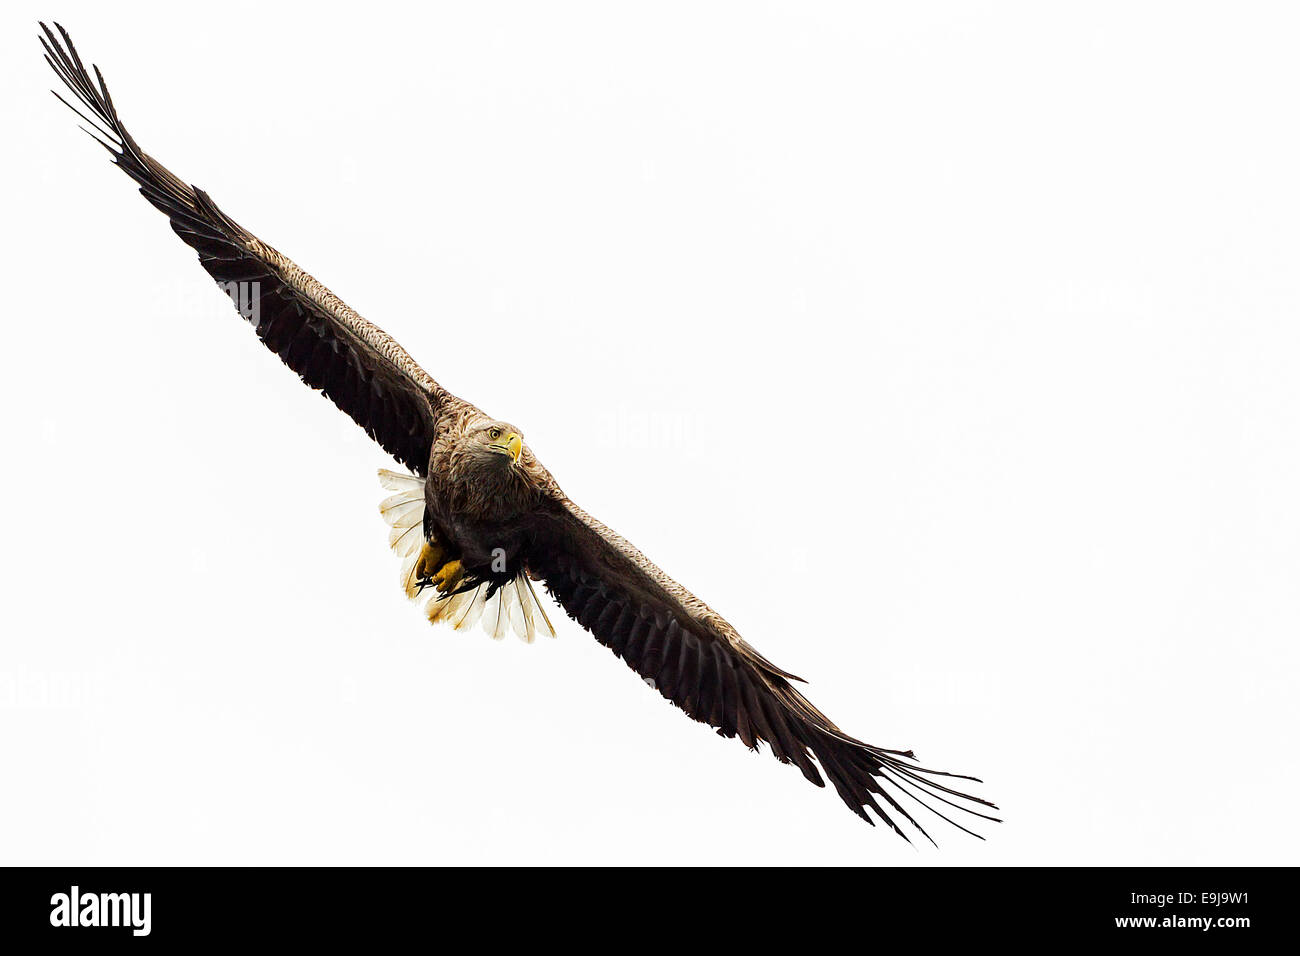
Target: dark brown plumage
[482, 518]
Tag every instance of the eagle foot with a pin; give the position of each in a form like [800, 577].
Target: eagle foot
[431, 559]
[448, 577]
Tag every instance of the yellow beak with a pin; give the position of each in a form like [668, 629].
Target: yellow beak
[515, 445]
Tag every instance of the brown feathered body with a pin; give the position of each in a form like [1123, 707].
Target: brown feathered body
[479, 506]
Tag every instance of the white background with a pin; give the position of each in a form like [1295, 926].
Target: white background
[951, 353]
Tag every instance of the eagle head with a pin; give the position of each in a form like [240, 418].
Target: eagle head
[494, 444]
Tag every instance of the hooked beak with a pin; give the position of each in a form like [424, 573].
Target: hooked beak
[513, 446]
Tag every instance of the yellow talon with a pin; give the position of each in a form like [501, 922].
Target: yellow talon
[448, 576]
[430, 560]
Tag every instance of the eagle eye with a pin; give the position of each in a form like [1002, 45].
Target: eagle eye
[494, 433]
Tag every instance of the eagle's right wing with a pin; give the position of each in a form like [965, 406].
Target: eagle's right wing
[356, 364]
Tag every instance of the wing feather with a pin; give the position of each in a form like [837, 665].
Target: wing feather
[332, 348]
[696, 660]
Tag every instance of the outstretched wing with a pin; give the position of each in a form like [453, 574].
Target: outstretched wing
[698, 661]
[359, 367]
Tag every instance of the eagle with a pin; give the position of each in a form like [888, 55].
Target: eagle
[477, 519]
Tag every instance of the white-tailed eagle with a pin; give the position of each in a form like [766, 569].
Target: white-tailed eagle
[477, 519]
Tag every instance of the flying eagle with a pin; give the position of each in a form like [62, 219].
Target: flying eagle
[477, 518]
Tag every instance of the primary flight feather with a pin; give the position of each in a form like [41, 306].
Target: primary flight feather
[478, 519]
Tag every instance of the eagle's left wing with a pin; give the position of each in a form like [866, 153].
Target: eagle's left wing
[694, 658]
[356, 364]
